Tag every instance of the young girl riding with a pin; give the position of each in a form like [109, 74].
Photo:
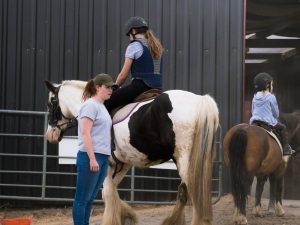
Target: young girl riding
[142, 59]
[265, 108]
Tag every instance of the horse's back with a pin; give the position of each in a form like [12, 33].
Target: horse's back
[186, 106]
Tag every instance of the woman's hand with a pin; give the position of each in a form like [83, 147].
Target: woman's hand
[94, 166]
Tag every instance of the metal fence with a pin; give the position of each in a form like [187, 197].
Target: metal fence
[42, 183]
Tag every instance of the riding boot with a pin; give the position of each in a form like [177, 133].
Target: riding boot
[287, 150]
[281, 129]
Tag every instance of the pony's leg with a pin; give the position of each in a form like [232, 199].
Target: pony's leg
[273, 190]
[258, 193]
[116, 212]
[240, 201]
[279, 211]
[177, 217]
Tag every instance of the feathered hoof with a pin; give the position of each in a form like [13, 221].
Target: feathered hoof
[238, 218]
[279, 211]
[257, 211]
[241, 222]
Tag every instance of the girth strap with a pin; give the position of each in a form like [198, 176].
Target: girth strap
[118, 162]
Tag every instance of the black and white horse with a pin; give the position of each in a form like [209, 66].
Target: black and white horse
[176, 125]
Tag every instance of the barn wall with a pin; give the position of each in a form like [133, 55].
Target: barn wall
[76, 39]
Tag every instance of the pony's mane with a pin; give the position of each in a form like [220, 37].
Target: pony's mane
[77, 83]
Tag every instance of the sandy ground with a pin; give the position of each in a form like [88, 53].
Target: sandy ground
[154, 214]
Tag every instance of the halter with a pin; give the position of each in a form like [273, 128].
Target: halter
[55, 113]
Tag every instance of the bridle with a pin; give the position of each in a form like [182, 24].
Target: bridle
[56, 115]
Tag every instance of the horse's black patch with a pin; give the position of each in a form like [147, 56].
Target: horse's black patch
[151, 130]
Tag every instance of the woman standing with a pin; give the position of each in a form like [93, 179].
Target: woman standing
[142, 59]
[94, 140]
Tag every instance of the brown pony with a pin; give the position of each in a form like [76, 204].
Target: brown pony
[250, 151]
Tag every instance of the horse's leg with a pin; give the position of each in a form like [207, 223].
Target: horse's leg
[258, 193]
[279, 211]
[240, 201]
[177, 217]
[273, 190]
[116, 212]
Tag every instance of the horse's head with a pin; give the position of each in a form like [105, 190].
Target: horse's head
[62, 109]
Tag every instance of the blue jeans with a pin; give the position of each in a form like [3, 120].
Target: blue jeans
[87, 187]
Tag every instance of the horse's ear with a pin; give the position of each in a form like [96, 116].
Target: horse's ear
[50, 86]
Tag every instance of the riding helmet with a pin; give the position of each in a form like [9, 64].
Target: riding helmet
[262, 80]
[135, 22]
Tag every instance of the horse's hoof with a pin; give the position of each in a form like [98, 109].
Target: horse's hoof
[257, 211]
[279, 211]
[241, 221]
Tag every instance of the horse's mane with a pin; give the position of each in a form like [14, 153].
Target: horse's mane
[77, 83]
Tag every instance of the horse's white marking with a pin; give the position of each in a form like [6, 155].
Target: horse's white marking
[183, 101]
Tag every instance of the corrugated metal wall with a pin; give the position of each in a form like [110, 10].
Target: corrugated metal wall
[76, 39]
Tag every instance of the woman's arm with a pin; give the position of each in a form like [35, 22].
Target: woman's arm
[124, 72]
[87, 125]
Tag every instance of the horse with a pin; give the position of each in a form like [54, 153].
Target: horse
[292, 123]
[249, 151]
[177, 125]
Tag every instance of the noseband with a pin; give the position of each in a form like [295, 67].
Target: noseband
[56, 115]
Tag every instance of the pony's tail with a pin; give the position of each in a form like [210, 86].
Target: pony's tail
[239, 177]
[201, 157]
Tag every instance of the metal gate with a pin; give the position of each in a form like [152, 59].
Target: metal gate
[43, 180]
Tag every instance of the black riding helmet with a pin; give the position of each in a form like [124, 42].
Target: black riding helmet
[135, 22]
[262, 80]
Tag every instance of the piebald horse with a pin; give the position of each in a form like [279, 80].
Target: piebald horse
[250, 151]
[176, 125]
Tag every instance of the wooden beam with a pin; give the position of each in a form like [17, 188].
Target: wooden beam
[284, 55]
[269, 56]
[273, 43]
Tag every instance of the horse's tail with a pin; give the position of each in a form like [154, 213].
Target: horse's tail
[239, 176]
[201, 157]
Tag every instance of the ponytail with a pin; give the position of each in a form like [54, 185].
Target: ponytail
[154, 45]
[89, 90]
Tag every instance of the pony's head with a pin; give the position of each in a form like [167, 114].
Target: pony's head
[62, 101]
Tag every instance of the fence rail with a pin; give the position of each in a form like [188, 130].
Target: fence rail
[43, 188]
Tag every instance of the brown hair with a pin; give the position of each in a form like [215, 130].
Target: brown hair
[89, 90]
[155, 46]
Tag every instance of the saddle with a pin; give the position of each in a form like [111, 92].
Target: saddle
[270, 130]
[124, 111]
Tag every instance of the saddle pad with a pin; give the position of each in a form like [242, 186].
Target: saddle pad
[276, 139]
[124, 112]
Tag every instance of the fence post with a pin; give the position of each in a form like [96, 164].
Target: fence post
[44, 157]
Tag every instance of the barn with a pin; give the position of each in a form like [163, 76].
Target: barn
[211, 46]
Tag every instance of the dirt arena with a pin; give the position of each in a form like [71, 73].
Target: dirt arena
[153, 215]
